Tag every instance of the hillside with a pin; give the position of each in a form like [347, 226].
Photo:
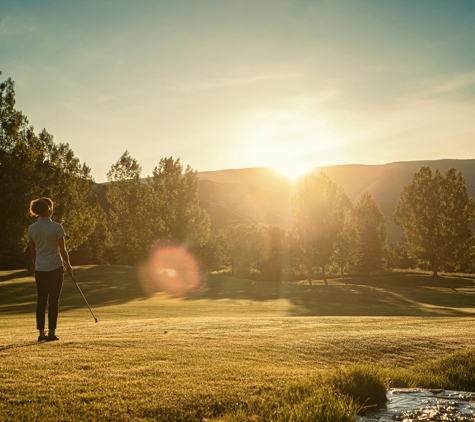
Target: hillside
[247, 202]
[263, 195]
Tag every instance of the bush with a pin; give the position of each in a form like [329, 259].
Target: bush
[302, 401]
[338, 397]
[453, 372]
[363, 384]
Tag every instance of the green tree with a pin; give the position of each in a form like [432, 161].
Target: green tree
[241, 248]
[273, 252]
[163, 209]
[371, 235]
[437, 216]
[208, 254]
[345, 246]
[293, 266]
[71, 184]
[14, 189]
[320, 207]
[14, 123]
[175, 200]
[398, 255]
[94, 250]
[129, 230]
[32, 166]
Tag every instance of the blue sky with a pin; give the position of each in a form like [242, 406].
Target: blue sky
[232, 84]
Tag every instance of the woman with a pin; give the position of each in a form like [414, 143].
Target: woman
[48, 252]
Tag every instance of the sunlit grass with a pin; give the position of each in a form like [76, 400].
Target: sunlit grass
[231, 350]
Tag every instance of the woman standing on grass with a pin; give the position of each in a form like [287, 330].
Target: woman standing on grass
[48, 252]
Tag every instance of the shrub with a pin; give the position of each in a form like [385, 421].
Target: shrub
[362, 383]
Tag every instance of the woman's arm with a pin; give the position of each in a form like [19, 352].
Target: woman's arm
[32, 246]
[65, 255]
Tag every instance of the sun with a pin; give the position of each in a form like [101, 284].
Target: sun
[293, 169]
[292, 141]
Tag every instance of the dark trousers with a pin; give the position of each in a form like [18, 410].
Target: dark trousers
[48, 286]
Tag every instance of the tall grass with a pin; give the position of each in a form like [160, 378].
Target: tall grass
[363, 383]
[452, 372]
[299, 402]
[353, 389]
[339, 396]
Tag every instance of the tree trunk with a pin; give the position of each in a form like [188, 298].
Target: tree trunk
[324, 274]
[309, 275]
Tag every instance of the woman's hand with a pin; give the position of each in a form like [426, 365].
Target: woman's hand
[65, 255]
[68, 268]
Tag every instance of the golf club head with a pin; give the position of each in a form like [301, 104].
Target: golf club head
[95, 319]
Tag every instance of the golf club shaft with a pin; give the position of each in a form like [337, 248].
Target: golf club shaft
[84, 297]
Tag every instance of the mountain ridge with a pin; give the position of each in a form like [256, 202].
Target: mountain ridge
[263, 195]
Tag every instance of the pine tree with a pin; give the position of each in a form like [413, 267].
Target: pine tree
[32, 166]
[344, 255]
[319, 212]
[240, 248]
[176, 201]
[126, 195]
[371, 235]
[272, 253]
[437, 216]
[162, 210]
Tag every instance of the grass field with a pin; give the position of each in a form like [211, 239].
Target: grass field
[231, 347]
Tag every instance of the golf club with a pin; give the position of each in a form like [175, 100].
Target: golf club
[82, 294]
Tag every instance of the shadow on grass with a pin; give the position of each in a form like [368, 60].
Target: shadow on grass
[400, 295]
[12, 275]
[17, 346]
[101, 285]
[397, 295]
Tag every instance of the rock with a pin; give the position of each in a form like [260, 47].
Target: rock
[397, 384]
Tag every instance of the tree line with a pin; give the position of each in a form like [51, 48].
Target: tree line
[118, 222]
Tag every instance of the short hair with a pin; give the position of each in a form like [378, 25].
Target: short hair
[40, 207]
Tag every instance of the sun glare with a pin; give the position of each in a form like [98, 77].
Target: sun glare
[170, 269]
[290, 142]
[292, 170]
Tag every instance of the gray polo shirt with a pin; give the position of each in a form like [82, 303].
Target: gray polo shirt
[45, 234]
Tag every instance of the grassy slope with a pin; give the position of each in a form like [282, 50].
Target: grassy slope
[231, 341]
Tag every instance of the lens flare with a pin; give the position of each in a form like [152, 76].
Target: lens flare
[170, 269]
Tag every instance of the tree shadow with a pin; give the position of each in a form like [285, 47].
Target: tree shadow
[102, 286]
[408, 295]
[14, 275]
[399, 295]
[20, 345]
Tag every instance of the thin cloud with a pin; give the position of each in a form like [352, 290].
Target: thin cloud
[445, 86]
[227, 82]
[411, 132]
[12, 26]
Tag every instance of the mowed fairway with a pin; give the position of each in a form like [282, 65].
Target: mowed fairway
[229, 342]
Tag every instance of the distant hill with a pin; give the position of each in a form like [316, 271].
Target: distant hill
[254, 195]
[261, 177]
[248, 203]
[263, 195]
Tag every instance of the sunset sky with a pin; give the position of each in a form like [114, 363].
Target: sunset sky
[234, 83]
